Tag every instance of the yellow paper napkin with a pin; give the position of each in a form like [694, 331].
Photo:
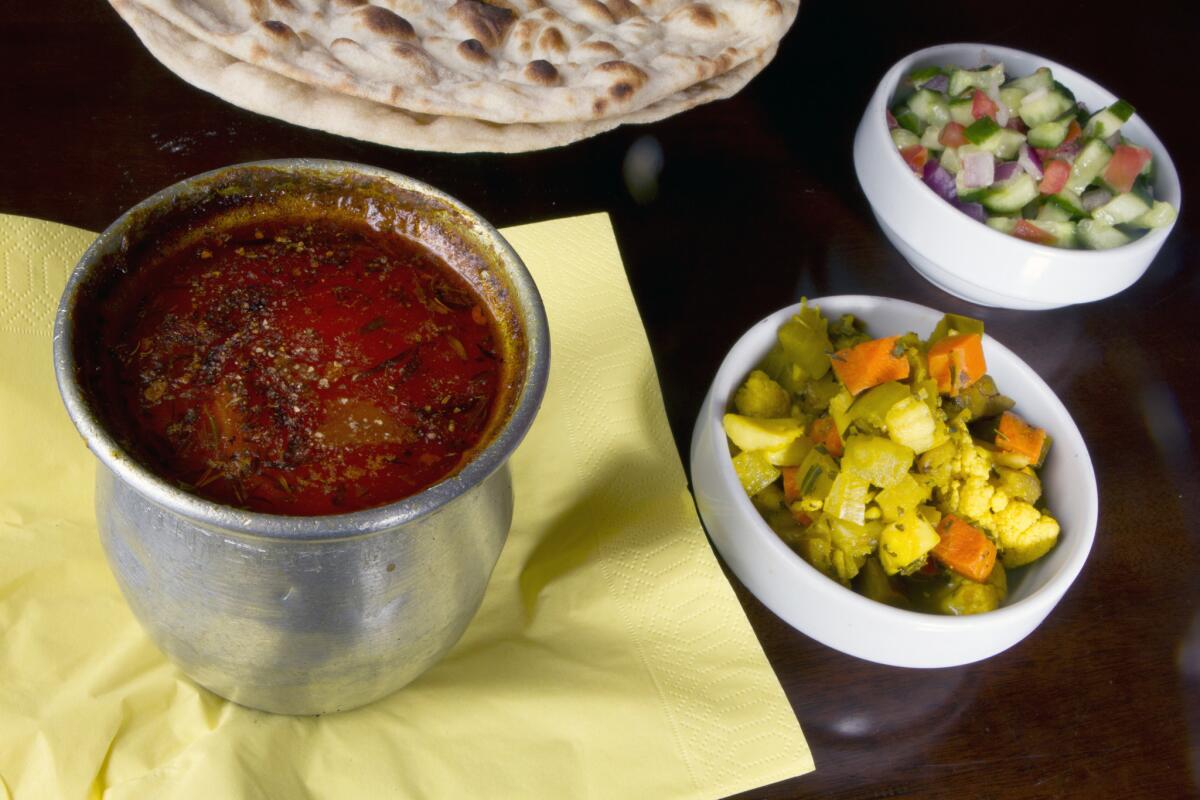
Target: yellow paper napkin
[610, 657]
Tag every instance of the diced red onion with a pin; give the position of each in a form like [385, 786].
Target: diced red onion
[891, 120]
[938, 83]
[1113, 141]
[973, 210]
[979, 170]
[1068, 151]
[1006, 171]
[941, 181]
[1029, 161]
[1094, 198]
[1017, 124]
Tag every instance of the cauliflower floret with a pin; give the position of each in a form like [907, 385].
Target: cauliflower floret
[975, 498]
[1032, 543]
[1024, 533]
[970, 465]
[760, 396]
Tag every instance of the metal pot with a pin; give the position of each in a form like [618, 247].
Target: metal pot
[309, 615]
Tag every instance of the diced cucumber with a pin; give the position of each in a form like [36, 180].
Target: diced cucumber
[1091, 160]
[960, 111]
[1098, 236]
[1011, 196]
[1063, 231]
[1122, 208]
[1143, 189]
[907, 118]
[930, 107]
[1052, 212]
[1002, 224]
[950, 161]
[930, 137]
[1042, 79]
[1005, 143]
[985, 78]
[1069, 202]
[1050, 134]
[1160, 215]
[1044, 105]
[1011, 98]
[904, 138]
[981, 130]
[1108, 121]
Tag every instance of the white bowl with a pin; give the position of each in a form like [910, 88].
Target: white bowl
[969, 259]
[838, 617]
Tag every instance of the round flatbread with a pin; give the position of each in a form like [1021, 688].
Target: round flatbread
[265, 92]
[502, 61]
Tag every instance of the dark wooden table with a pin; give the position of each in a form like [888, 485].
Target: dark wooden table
[757, 204]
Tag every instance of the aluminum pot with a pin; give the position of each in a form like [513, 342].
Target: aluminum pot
[309, 615]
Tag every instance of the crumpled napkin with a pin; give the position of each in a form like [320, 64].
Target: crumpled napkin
[610, 657]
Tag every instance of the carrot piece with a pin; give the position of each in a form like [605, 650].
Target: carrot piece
[956, 362]
[791, 484]
[965, 549]
[870, 364]
[823, 431]
[802, 519]
[1017, 436]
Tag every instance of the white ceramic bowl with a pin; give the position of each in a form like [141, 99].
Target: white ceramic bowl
[969, 259]
[837, 616]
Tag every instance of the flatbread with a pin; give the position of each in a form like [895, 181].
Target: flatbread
[502, 61]
[265, 92]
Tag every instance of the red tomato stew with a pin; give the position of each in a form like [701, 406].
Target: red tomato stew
[301, 364]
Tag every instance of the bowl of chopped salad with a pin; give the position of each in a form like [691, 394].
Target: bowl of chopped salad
[1009, 180]
[892, 481]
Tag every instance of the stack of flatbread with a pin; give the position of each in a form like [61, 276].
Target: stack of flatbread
[464, 75]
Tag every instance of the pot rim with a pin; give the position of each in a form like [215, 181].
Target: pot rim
[255, 524]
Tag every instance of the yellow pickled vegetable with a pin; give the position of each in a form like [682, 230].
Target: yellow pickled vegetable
[754, 471]
[760, 396]
[904, 545]
[751, 433]
[877, 460]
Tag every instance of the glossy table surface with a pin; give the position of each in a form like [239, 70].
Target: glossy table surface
[755, 205]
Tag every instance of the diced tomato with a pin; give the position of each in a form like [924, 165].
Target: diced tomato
[1031, 233]
[1054, 176]
[915, 156]
[983, 106]
[1126, 164]
[1073, 132]
[952, 135]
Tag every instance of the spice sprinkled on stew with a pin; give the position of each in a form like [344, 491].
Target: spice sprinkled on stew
[303, 367]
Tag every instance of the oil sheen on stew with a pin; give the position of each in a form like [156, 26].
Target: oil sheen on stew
[304, 367]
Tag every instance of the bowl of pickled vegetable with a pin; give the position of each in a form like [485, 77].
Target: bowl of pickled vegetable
[892, 481]
[1010, 180]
